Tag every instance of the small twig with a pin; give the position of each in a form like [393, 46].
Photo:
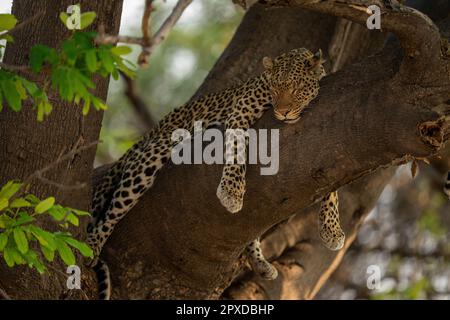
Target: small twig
[146, 38]
[14, 68]
[38, 174]
[104, 38]
[170, 22]
[147, 42]
[76, 186]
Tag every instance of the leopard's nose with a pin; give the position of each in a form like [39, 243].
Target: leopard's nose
[283, 112]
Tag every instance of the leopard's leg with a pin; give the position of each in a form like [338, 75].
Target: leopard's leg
[138, 175]
[330, 230]
[231, 188]
[258, 262]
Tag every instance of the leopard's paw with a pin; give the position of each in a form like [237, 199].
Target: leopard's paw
[332, 240]
[265, 269]
[232, 201]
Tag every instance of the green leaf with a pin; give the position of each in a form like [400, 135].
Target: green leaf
[84, 249]
[7, 21]
[8, 256]
[12, 96]
[3, 203]
[121, 50]
[7, 37]
[32, 199]
[17, 257]
[63, 17]
[86, 106]
[38, 55]
[24, 218]
[47, 108]
[65, 252]
[45, 205]
[57, 212]
[87, 18]
[48, 253]
[73, 219]
[91, 60]
[45, 238]
[9, 189]
[33, 261]
[3, 240]
[98, 104]
[20, 89]
[31, 87]
[21, 240]
[79, 212]
[5, 221]
[19, 203]
[106, 59]
[40, 112]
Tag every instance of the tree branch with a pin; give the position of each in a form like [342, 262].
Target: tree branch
[418, 35]
[147, 42]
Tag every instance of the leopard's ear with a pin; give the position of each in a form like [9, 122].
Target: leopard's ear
[267, 63]
[316, 62]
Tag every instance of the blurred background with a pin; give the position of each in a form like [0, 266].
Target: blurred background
[405, 237]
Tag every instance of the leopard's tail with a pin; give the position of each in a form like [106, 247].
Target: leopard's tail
[447, 185]
[104, 280]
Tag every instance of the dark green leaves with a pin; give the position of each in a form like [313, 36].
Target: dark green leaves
[40, 54]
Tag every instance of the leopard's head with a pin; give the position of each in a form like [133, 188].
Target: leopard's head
[293, 79]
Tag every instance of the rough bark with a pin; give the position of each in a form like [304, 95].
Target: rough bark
[374, 114]
[26, 145]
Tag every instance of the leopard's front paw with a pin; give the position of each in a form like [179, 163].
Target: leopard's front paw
[333, 240]
[231, 199]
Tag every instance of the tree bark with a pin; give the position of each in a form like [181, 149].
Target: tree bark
[372, 115]
[26, 145]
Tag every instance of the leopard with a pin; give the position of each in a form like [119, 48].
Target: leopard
[287, 85]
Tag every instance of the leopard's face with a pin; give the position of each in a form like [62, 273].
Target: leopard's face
[293, 80]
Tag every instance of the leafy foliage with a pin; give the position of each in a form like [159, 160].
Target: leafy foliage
[20, 235]
[68, 71]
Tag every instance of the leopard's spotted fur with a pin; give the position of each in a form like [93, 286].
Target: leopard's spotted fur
[288, 84]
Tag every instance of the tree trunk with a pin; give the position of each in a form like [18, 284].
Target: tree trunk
[26, 145]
